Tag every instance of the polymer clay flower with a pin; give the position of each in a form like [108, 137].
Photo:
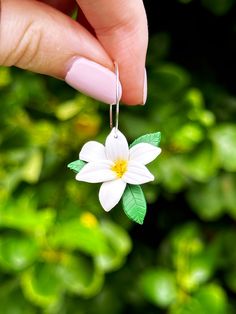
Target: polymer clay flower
[115, 165]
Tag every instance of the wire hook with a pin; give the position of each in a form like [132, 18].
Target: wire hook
[117, 104]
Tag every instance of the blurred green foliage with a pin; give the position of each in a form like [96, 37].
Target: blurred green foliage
[60, 253]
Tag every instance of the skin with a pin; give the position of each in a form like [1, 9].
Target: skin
[40, 36]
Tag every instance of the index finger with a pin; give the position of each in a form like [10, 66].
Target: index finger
[121, 27]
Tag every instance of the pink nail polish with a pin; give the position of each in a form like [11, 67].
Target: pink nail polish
[93, 80]
[145, 87]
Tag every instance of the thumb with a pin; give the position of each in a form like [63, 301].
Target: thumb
[37, 37]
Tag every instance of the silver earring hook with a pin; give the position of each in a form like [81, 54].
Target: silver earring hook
[117, 104]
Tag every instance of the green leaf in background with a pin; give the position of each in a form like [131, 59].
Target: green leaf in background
[209, 299]
[42, 285]
[145, 125]
[134, 203]
[152, 138]
[76, 165]
[198, 269]
[119, 244]
[13, 302]
[207, 200]
[169, 170]
[17, 252]
[194, 98]
[230, 279]
[5, 76]
[106, 302]
[68, 109]
[80, 276]
[201, 164]
[118, 237]
[215, 198]
[227, 257]
[75, 234]
[213, 299]
[32, 169]
[224, 139]
[195, 101]
[187, 137]
[218, 7]
[228, 183]
[170, 79]
[22, 214]
[159, 286]
[187, 239]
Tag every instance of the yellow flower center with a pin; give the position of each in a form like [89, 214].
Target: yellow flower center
[120, 167]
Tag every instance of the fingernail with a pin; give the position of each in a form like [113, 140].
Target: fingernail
[93, 80]
[145, 87]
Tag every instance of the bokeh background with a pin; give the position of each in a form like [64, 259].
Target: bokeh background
[60, 253]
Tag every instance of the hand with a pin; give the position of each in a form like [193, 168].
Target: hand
[41, 37]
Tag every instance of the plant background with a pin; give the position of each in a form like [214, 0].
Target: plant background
[59, 252]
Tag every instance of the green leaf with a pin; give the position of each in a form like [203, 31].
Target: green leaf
[169, 170]
[197, 271]
[204, 200]
[73, 234]
[227, 256]
[120, 246]
[208, 299]
[186, 240]
[145, 125]
[170, 79]
[152, 138]
[32, 168]
[42, 285]
[5, 76]
[218, 7]
[17, 252]
[134, 203]
[187, 137]
[230, 279]
[76, 165]
[117, 237]
[20, 304]
[21, 214]
[228, 182]
[68, 109]
[224, 138]
[212, 299]
[200, 164]
[79, 275]
[159, 287]
[194, 99]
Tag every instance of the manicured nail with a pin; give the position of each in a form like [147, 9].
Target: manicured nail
[145, 87]
[93, 80]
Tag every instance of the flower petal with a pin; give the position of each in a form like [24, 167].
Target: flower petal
[92, 151]
[137, 174]
[116, 146]
[110, 193]
[144, 153]
[96, 171]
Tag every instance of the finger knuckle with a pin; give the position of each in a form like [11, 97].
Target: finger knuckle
[23, 51]
[122, 25]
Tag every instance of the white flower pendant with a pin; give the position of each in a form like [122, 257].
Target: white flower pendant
[120, 168]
